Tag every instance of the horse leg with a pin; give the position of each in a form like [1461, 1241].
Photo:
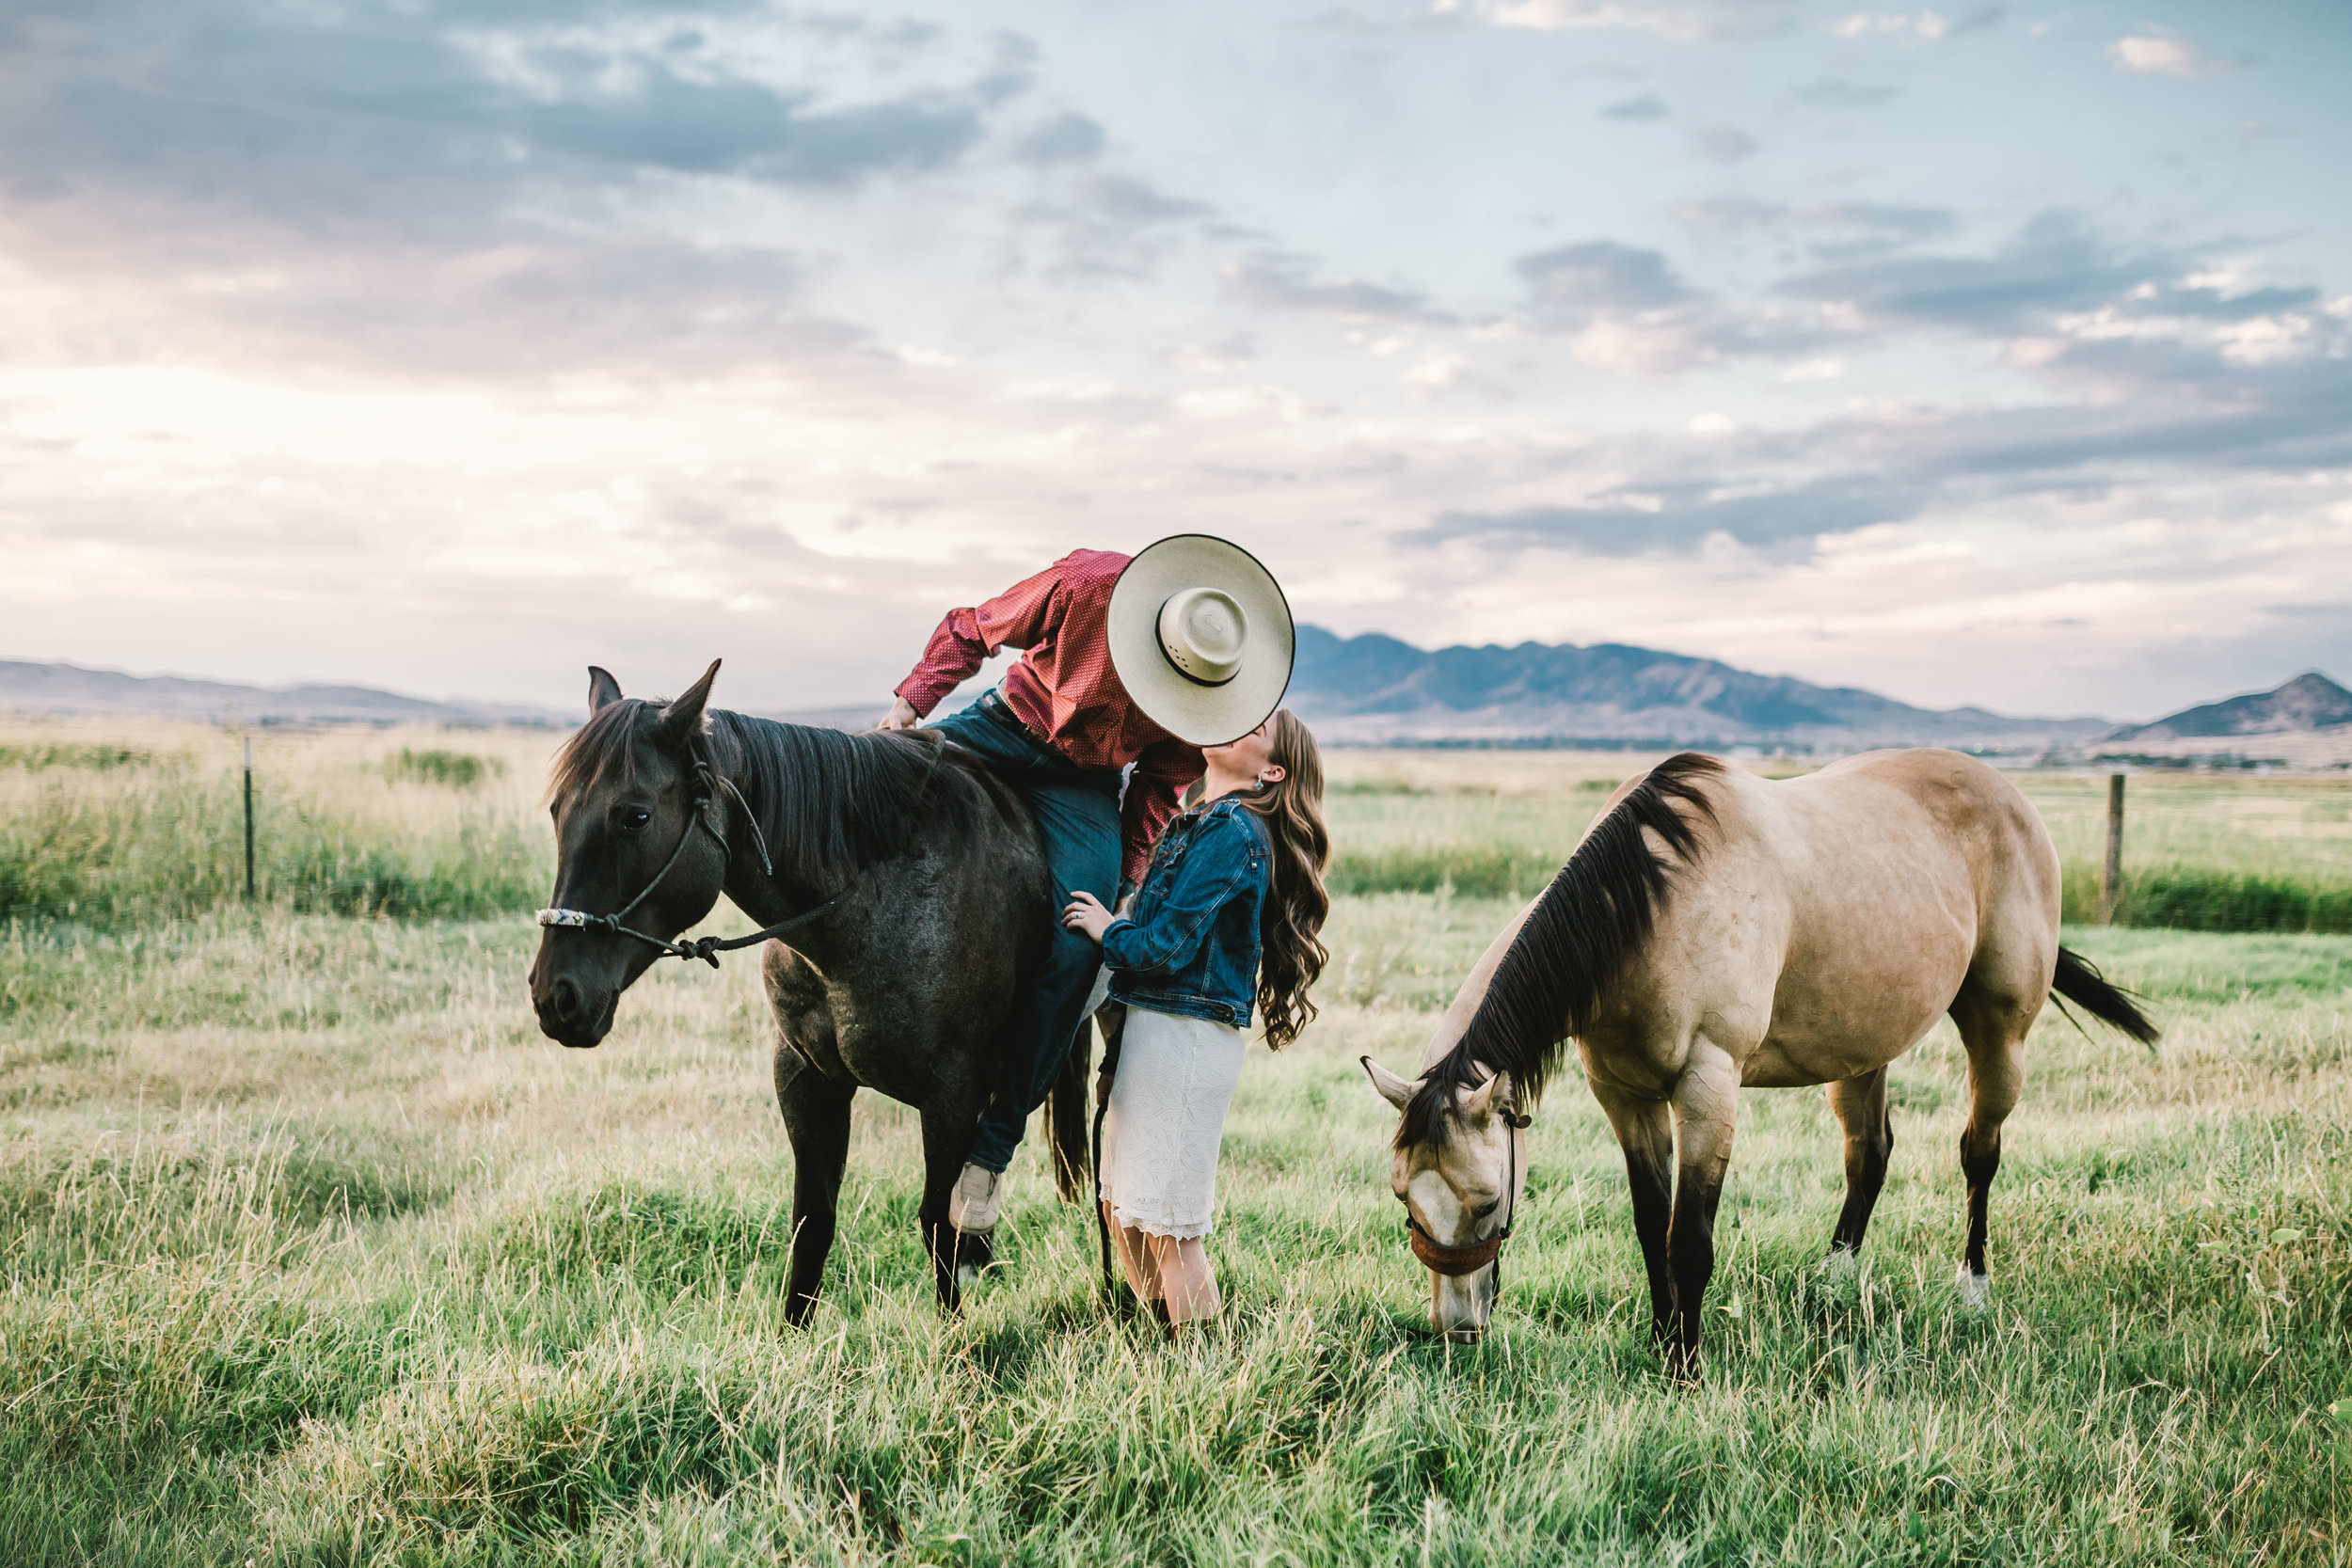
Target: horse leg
[946, 1140]
[817, 1120]
[1993, 1031]
[1861, 1106]
[1707, 1108]
[1644, 1130]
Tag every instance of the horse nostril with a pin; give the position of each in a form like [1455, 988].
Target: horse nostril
[566, 999]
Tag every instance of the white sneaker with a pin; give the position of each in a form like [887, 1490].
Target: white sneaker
[974, 1200]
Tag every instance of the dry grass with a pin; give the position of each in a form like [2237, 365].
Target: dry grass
[316, 1252]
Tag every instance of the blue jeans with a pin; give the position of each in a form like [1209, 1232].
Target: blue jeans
[1077, 818]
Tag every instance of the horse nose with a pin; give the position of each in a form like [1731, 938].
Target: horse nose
[564, 1001]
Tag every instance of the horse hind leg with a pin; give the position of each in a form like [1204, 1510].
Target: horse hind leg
[1706, 1110]
[817, 1120]
[1862, 1110]
[1993, 1029]
[955, 1255]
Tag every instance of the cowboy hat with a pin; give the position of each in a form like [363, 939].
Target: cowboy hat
[1200, 635]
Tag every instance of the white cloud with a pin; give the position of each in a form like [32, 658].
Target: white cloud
[1436, 374]
[2148, 54]
[381, 396]
[1686, 22]
[1638, 347]
[1930, 26]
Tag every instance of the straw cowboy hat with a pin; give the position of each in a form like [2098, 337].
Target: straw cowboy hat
[1200, 635]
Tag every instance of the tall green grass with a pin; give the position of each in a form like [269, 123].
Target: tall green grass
[312, 1255]
[109, 836]
[177, 848]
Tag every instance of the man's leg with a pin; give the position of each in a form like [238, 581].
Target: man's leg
[1079, 825]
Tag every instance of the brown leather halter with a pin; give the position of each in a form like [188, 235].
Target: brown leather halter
[1454, 1262]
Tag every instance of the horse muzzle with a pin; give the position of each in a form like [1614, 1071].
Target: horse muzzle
[574, 1015]
[1461, 1306]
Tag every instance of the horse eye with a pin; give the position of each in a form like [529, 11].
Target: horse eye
[633, 819]
[1486, 1209]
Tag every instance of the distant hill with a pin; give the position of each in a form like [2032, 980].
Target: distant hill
[69, 688]
[2308, 701]
[1376, 689]
[2305, 723]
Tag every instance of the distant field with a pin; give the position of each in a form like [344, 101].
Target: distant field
[109, 823]
[2202, 852]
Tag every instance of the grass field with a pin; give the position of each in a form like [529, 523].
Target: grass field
[317, 1253]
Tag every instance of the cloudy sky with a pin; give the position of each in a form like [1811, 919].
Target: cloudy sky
[1986, 354]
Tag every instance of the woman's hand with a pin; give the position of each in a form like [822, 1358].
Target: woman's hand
[1086, 913]
[900, 717]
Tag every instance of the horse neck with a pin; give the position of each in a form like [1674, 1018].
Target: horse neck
[751, 766]
[764, 894]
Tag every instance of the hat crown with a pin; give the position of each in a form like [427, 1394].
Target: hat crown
[1204, 632]
[1200, 636]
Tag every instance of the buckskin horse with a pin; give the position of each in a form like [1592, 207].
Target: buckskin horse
[1714, 930]
[908, 880]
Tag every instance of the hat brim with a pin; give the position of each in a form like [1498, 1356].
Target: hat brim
[1204, 715]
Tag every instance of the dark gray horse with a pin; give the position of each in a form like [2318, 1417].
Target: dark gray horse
[918, 898]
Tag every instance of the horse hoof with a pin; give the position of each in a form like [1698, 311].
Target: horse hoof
[1975, 1290]
[1841, 1264]
[967, 1276]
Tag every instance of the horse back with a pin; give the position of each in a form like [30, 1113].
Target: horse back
[1831, 919]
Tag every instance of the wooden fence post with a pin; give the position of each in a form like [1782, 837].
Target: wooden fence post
[2111, 875]
[248, 818]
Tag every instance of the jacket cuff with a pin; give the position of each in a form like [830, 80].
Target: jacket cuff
[1110, 941]
[921, 695]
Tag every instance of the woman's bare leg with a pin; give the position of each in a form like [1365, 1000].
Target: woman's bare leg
[1187, 1281]
[1137, 1259]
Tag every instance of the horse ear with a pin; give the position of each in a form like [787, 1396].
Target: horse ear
[1476, 1103]
[683, 717]
[603, 691]
[1396, 1091]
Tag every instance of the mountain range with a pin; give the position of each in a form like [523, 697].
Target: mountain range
[1376, 690]
[69, 688]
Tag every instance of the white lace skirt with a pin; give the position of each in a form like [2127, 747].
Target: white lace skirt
[1176, 1080]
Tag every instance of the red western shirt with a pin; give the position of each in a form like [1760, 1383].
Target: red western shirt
[1064, 689]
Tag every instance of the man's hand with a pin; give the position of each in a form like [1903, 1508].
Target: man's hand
[900, 717]
[1086, 913]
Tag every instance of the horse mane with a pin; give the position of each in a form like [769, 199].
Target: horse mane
[829, 803]
[1593, 918]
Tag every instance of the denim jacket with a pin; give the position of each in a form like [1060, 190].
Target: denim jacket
[1189, 946]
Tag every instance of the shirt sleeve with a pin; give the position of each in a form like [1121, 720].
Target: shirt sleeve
[1019, 617]
[1162, 773]
[1217, 867]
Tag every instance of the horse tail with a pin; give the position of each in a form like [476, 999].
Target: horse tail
[1066, 1117]
[2079, 981]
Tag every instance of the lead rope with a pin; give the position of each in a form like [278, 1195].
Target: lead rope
[1514, 1124]
[1111, 1042]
